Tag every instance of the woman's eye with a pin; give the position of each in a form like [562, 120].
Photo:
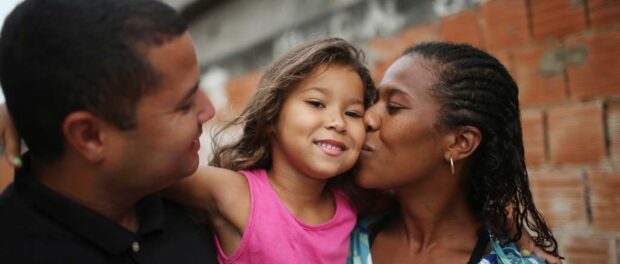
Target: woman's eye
[353, 114]
[393, 108]
[317, 104]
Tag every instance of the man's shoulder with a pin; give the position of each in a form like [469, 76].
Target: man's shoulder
[12, 209]
[24, 233]
[190, 231]
[20, 220]
[184, 217]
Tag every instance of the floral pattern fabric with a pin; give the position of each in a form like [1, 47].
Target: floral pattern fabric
[360, 247]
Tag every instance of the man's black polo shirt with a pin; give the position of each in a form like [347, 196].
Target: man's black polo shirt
[40, 226]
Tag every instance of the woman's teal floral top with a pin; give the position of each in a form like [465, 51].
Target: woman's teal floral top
[360, 247]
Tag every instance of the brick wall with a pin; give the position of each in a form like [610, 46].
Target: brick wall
[565, 56]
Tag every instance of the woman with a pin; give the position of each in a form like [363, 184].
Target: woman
[447, 123]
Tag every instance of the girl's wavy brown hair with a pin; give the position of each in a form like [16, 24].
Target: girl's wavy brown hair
[253, 149]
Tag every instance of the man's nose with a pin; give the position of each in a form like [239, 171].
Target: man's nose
[206, 110]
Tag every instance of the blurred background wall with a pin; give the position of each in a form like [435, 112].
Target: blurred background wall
[564, 54]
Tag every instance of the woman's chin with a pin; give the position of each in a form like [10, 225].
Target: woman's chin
[363, 181]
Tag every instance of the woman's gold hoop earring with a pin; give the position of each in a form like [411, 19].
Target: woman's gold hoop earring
[452, 165]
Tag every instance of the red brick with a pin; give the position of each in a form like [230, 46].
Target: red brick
[605, 200]
[533, 137]
[462, 28]
[576, 133]
[537, 84]
[379, 66]
[241, 88]
[613, 126]
[604, 12]
[587, 250]
[385, 46]
[505, 57]
[560, 197]
[555, 18]
[504, 23]
[417, 34]
[599, 73]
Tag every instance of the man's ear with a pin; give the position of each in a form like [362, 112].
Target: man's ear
[83, 133]
[463, 142]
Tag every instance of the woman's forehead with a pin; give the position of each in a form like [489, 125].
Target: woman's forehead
[408, 73]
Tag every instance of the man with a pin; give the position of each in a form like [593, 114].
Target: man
[105, 94]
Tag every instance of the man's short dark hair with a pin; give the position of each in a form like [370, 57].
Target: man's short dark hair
[62, 56]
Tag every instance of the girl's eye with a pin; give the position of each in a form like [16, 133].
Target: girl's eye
[316, 103]
[354, 114]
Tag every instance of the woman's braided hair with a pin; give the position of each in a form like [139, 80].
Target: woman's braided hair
[475, 89]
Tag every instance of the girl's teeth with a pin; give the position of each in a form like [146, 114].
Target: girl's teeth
[329, 146]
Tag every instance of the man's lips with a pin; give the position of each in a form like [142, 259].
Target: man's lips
[196, 142]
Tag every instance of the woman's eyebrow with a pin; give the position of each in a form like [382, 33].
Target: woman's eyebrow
[389, 91]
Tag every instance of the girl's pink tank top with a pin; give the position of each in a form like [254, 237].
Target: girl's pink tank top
[275, 235]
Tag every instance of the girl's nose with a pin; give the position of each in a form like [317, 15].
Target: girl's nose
[337, 123]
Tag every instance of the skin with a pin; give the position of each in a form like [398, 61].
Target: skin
[436, 225]
[108, 169]
[325, 108]
[321, 118]
[165, 144]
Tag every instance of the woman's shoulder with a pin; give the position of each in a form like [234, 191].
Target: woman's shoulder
[362, 236]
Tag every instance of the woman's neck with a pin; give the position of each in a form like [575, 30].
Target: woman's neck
[429, 216]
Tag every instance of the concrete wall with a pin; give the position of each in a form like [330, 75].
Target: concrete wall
[240, 36]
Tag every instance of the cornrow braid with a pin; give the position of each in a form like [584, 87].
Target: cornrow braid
[474, 89]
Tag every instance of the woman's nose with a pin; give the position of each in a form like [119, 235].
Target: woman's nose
[372, 118]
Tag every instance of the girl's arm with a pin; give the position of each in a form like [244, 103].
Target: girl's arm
[223, 196]
[214, 191]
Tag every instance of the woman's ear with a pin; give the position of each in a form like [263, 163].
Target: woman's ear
[463, 142]
[83, 134]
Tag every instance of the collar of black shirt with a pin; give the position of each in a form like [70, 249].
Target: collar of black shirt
[85, 222]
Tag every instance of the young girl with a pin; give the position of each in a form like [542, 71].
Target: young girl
[281, 193]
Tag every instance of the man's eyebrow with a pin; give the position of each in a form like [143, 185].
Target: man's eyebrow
[191, 92]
